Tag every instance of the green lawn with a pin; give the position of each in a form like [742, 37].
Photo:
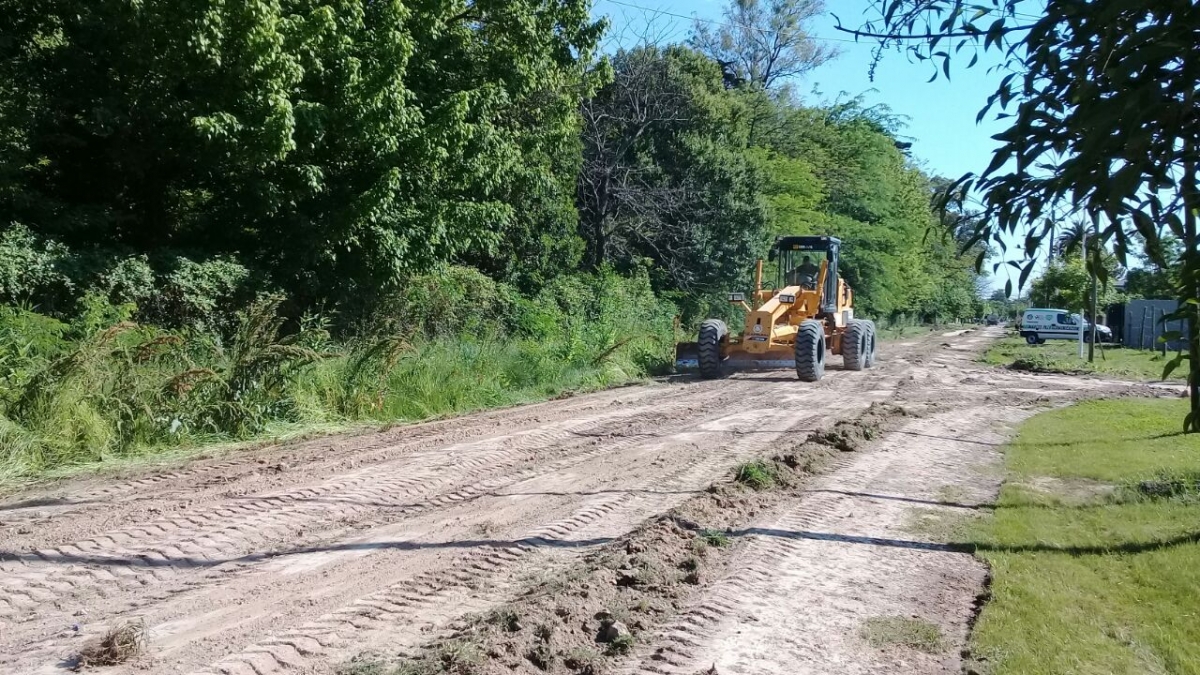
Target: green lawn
[1062, 356]
[1089, 574]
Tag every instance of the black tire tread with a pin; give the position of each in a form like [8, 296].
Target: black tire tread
[708, 346]
[810, 351]
[872, 343]
[854, 345]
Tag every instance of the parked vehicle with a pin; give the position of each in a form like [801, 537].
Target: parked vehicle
[1041, 324]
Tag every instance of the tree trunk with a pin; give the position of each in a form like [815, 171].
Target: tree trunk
[1191, 283]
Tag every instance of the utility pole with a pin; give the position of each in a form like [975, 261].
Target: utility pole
[1093, 299]
[1050, 258]
[1083, 254]
[1092, 342]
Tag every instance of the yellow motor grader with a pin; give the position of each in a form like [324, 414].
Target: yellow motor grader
[809, 313]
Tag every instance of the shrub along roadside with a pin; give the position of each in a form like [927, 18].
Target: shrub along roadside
[1093, 545]
[103, 387]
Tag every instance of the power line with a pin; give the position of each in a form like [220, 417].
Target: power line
[713, 22]
[755, 28]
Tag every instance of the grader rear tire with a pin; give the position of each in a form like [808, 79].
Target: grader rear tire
[810, 351]
[712, 333]
[872, 344]
[856, 345]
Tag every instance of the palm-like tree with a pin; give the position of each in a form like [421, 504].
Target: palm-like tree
[1079, 237]
[1079, 233]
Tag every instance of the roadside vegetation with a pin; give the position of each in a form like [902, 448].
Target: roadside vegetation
[1062, 356]
[104, 387]
[316, 215]
[1093, 544]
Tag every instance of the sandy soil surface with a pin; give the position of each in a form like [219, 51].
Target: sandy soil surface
[296, 558]
[870, 539]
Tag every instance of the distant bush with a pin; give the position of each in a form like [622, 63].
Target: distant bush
[129, 280]
[204, 295]
[601, 314]
[169, 290]
[28, 342]
[450, 301]
[32, 270]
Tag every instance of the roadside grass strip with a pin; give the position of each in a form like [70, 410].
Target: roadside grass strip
[1062, 356]
[1094, 545]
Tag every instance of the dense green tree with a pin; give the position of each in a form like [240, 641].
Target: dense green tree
[667, 177]
[838, 170]
[182, 156]
[338, 144]
[1000, 304]
[1156, 276]
[1067, 283]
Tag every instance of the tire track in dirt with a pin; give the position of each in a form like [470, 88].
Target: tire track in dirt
[811, 575]
[394, 607]
[696, 472]
[397, 627]
[141, 555]
[107, 579]
[664, 424]
[198, 478]
[795, 599]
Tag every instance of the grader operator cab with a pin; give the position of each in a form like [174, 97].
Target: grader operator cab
[808, 313]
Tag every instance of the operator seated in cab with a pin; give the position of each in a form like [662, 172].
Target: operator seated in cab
[805, 274]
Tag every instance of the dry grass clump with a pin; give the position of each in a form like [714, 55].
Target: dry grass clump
[117, 646]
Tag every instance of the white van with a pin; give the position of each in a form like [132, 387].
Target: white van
[1040, 324]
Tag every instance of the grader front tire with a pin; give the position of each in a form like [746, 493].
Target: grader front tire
[810, 351]
[712, 333]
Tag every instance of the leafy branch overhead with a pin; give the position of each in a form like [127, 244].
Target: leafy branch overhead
[1100, 98]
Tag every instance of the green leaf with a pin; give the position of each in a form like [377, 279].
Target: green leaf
[1025, 274]
[1125, 183]
[994, 33]
[1171, 366]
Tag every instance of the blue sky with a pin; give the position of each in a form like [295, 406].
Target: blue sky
[940, 115]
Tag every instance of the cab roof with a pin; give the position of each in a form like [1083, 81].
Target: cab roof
[806, 241]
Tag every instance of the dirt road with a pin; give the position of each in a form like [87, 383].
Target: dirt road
[297, 558]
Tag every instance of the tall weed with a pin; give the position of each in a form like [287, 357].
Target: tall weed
[104, 386]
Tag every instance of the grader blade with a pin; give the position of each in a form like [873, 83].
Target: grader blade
[687, 357]
[687, 360]
[743, 361]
